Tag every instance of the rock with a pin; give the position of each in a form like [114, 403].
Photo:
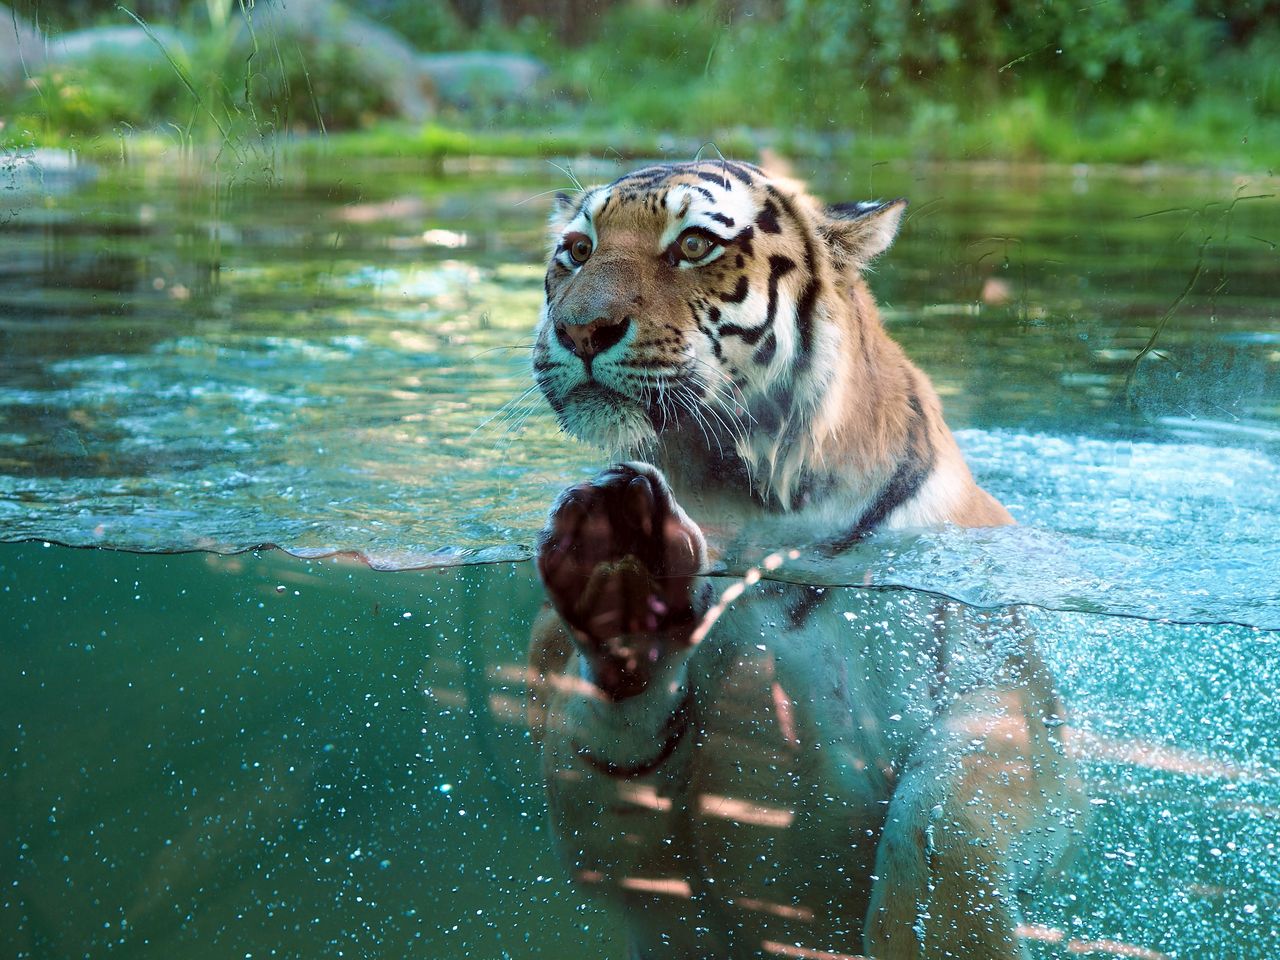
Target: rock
[466, 78]
[118, 43]
[28, 51]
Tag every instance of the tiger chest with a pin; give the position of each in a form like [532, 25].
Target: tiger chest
[765, 816]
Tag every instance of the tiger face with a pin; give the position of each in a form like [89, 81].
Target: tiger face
[701, 298]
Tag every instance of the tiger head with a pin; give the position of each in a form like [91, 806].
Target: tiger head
[701, 299]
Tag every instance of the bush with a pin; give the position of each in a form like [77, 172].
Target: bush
[88, 97]
[1133, 47]
[645, 63]
[290, 82]
[303, 84]
[428, 26]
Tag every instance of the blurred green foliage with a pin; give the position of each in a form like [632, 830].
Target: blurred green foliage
[1066, 79]
[1128, 47]
[87, 97]
[307, 83]
[427, 25]
[300, 86]
[1048, 78]
[224, 80]
[946, 49]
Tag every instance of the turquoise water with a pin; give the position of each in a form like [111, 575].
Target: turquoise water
[256, 755]
[323, 752]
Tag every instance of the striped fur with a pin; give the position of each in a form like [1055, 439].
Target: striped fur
[827, 774]
[760, 380]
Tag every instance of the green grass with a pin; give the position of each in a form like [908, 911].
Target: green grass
[1213, 132]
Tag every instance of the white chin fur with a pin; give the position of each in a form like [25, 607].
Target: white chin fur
[622, 428]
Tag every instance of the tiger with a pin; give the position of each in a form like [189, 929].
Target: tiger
[819, 772]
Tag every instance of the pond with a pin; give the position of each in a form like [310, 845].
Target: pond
[215, 747]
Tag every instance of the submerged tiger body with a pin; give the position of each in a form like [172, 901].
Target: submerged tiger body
[822, 771]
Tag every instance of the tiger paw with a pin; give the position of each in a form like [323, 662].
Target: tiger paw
[620, 559]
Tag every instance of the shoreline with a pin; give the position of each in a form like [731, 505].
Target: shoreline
[457, 149]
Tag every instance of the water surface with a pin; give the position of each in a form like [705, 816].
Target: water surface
[337, 360]
[225, 754]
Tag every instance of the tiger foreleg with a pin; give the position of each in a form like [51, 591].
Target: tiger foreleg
[939, 888]
[609, 665]
[982, 806]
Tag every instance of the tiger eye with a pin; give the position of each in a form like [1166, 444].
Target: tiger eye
[580, 249]
[694, 246]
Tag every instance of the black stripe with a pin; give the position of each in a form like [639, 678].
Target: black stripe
[804, 322]
[649, 174]
[764, 353]
[800, 609]
[677, 727]
[750, 335]
[709, 330]
[809, 297]
[709, 195]
[912, 471]
[738, 170]
[583, 203]
[779, 267]
[739, 292]
[718, 180]
[727, 221]
[767, 221]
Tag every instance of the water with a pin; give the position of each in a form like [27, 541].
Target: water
[226, 753]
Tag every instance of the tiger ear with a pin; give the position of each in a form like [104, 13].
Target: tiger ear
[563, 209]
[859, 232]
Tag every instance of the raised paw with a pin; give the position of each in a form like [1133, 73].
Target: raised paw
[620, 558]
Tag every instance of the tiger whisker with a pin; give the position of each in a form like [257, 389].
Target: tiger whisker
[732, 419]
[736, 430]
[668, 388]
[724, 378]
[544, 193]
[662, 404]
[529, 411]
[659, 384]
[688, 401]
[514, 346]
[507, 409]
[569, 173]
[735, 412]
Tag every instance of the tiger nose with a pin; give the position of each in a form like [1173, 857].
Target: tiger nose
[585, 340]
